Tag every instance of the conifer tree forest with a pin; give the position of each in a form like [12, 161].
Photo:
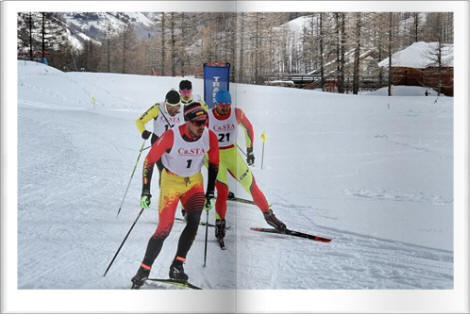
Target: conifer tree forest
[260, 46]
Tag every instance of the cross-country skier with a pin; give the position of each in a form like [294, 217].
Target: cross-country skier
[182, 151]
[186, 92]
[224, 121]
[187, 96]
[165, 115]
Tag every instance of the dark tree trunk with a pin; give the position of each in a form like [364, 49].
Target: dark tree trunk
[322, 70]
[357, 53]
[30, 36]
[242, 35]
[416, 25]
[439, 53]
[256, 48]
[342, 49]
[124, 52]
[43, 35]
[380, 56]
[172, 29]
[163, 42]
[183, 42]
[338, 50]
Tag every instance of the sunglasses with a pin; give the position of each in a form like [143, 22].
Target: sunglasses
[199, 122]
[224, 105]
[185, 92]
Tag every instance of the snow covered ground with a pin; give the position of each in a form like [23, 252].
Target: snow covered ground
[402, 91]
[372, 172]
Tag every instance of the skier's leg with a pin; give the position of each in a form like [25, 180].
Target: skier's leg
[222, 190]
[166, 216]
[221, 201]
[193, 202]
[169, 197]
[154, 138]
[221, 209]
[242, 174]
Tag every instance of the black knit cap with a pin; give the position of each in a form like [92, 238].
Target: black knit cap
[173, 97]
[185, 84]
[194, 112]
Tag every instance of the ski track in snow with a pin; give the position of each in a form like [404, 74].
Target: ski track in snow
[74, 165]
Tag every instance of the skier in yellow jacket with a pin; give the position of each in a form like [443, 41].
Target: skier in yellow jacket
[171, 108]
[165, 115]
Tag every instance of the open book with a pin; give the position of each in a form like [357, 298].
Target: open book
[320, 146]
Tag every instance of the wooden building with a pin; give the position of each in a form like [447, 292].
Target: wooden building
[417, 65]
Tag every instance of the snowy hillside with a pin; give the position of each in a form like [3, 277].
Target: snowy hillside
[421, 55]
[92, 26]
[95, 25]
[374, 173]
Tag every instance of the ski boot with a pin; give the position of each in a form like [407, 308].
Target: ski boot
[220, 232]
[272, 220]
[177, 271]
[220, 228]
[139, 278]
[230, 195]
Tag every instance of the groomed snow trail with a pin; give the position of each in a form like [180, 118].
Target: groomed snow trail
[373, 173]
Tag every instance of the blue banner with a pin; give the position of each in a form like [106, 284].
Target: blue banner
[216, 76]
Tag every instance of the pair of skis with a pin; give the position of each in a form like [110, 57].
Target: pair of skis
[293, 233]
[222, 246]
[289, 232]
[173, 282]
[221, 243]
[177, 283]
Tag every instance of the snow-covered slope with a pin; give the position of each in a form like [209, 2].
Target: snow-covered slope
[402, 90]
[373, 173]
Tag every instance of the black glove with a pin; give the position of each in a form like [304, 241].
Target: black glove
[209, 197]
[146, 134]
[250, 157]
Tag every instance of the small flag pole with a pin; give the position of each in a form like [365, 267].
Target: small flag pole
[263, 139]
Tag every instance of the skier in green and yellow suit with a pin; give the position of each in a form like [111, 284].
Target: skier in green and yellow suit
[224, 121]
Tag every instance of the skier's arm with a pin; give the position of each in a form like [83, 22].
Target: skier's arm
[148, 115]
[201, 101]
[243, 120]
[213, 167]
[203, 104]
[162, 145]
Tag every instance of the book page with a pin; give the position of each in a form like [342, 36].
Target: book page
[241, 156]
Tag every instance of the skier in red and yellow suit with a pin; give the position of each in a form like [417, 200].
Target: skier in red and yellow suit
[224, 121]
[182, 151]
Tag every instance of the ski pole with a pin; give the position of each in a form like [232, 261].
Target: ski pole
[262, 157]
[205, 243]
[161, 111]
[241, 150]
[123, 241]
[132, 175]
